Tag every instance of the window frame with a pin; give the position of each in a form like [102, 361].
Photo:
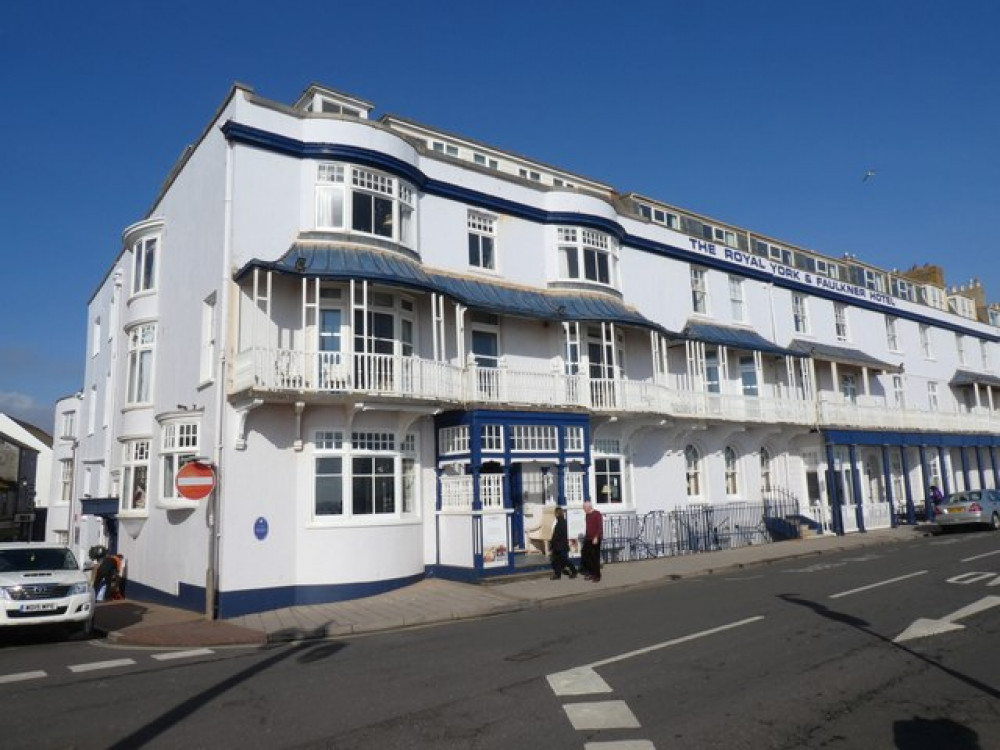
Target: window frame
[145, 263]
[180, 442]
[340, 193]
[136, 456]
[737, 298]
[841, 325]
[140, 368]
[586, 256]
[693, 472]
[482, 234]
[699, 290]
[731, 463]
[892, 333]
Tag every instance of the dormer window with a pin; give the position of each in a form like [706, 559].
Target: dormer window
[374, 203]
[587, 255]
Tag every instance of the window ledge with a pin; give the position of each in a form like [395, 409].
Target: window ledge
[139, 514]
[354, 523]
[178, 504]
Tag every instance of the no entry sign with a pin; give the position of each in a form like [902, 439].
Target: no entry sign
[195, 480]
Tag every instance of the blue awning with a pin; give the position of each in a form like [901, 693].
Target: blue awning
[335, 261]
[842, 354]
[736, 338]
[968, 377]
[99, 506]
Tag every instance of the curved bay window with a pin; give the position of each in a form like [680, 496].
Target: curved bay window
[364, 201]
[586, 255]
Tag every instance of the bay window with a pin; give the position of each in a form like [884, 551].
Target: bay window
[364, 201]
[587, 255]
[144, 265]
[178, 446]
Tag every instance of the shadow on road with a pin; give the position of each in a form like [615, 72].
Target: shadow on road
[933, 734]
[178, 713]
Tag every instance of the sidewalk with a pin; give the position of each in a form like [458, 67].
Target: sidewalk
[434, 600]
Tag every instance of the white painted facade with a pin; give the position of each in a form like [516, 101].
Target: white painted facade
[308, 307]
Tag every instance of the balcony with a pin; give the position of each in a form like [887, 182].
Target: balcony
[284, 372]
[874, 413]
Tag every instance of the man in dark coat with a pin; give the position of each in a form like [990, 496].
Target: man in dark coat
[590, 559]
[560, 547]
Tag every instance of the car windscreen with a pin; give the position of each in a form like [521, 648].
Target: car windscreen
[26, 560]
[964, 497]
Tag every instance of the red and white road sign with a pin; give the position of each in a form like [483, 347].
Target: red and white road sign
[195, 480]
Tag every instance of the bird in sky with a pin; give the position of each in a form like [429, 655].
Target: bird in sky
[868, 175]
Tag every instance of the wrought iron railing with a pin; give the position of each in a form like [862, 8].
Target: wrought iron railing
[701, 528]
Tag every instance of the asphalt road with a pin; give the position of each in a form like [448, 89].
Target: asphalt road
[801, 654]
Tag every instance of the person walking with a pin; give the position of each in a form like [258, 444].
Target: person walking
[937, 499]
[560, 547]
[590, 559]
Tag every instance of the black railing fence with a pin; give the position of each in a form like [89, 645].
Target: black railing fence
[700, 528]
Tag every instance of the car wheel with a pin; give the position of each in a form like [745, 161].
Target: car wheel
[995, 521]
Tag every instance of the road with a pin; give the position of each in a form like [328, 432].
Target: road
[893, 647]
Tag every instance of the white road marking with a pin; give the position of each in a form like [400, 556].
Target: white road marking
[674, 642]
[21, 676]
[818, 567]
[601, 715]
[95, 665]
[183, 654]
[876, 585]
[924, 627]
[579, 681]
[985, 554]
[620, 745]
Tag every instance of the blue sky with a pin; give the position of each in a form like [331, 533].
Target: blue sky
[765, 114]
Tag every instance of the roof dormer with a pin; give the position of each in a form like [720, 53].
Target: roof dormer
[323, 100]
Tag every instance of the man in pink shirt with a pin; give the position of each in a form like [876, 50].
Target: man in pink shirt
[590, 556]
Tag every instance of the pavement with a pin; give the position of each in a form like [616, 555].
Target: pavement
[434, 600]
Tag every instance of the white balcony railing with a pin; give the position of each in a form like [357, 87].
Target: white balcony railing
[396, 376]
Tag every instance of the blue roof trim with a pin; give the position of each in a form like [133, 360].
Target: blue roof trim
[239, 133]
[738, 338]
[333, 261]
[843, 354]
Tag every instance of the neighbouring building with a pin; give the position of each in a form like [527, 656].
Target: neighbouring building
[25, 467]
[398, 346]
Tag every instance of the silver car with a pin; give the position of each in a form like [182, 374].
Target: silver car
[968, 508]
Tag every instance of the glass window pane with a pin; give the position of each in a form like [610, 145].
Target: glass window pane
[361, 214]
[385, 497]
[383, 217]
[329, 496]
[361, 465]
[362, 495]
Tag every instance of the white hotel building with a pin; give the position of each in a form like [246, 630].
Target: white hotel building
[392, 341]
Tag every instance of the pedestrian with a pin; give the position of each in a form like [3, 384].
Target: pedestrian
[590, 559]
[105, 574]
[937, 499]
[560, 547]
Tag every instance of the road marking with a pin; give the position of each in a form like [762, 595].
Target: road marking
[183, 654]
[674, 642]
[924, 627]
[579, 681]
[620, 745]
[876, 585]
[95, 665]
[985, 554]
[601, 715]
[22, 676]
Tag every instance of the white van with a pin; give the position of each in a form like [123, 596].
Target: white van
[42, 584]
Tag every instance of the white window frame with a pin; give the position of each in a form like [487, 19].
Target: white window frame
[926, 346]
[891, 333]
[66, 480]
[340, 186]
[68, 430]
[579, 249]
[800, 312]
[984, 354]
[693, 472]
[145, 264]
[960, 349]
[699, 290]
[609, 481]
[933, 400]
[141, 360]
[737, 299]
[135, 477]
[899, 392]
[180, 441]
[482, 241]
[842, 329]
[765, 469]
[731, 466]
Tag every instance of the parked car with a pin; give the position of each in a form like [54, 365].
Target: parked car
[970, 508]
[42, 584]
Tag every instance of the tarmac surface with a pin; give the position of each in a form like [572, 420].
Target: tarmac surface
[434, 600]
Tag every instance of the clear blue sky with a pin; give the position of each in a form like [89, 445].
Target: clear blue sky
[764, 114]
